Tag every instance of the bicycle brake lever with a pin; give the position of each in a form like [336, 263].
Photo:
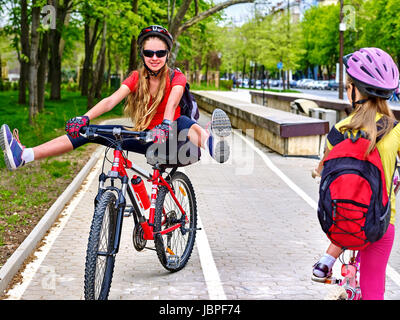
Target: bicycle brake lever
[146, 137]
[89, 133]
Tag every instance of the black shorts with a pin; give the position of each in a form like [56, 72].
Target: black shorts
[182, 123]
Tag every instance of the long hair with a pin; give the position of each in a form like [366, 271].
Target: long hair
[140, 106]
[364, 118]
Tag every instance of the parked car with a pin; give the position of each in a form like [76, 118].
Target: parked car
[333, 85]
[303, 83]
[310, 84]
[321, 85]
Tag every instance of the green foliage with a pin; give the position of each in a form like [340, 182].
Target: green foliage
[320, 41]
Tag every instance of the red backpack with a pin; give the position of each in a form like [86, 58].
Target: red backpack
[354, 207]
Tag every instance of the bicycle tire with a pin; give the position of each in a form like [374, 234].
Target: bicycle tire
[104, 217]
[187, 198]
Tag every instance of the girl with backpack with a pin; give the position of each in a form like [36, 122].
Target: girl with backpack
[152, 102]
[372, 77]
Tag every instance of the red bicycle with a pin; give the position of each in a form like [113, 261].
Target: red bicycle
[169, 217]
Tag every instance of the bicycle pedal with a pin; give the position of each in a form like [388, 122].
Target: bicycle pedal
[332, 280]
[173, 261]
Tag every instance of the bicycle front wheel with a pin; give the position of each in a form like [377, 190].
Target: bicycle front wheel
[175, 247]
[99, 265]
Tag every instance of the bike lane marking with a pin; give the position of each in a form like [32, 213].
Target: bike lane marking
[392, 273]
[31, 268]
[210, 271]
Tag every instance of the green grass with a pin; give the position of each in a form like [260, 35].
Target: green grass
[224, 86]
[273, 90]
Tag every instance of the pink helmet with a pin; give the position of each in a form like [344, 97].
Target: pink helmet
[373, 71]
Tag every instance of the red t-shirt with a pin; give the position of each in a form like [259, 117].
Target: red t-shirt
[178, 80]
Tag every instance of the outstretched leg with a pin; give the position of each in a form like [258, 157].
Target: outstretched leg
[16, 155]
[212, 138]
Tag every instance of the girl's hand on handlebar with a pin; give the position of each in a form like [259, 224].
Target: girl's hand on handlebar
[75, 124]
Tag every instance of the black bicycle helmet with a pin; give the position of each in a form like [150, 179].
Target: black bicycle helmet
[155, 31]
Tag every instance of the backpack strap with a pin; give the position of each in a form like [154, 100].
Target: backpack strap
[335, 136]
[171, 75]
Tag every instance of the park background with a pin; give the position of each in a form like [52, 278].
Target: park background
[59, 58]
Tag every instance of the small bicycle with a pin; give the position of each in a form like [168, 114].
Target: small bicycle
[171, 210]
[348, 287]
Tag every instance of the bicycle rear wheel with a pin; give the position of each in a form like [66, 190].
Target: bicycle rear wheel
[99, 265]
[174, 248]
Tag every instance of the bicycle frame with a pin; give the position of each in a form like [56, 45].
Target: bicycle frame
[118, 171]
[349, 282]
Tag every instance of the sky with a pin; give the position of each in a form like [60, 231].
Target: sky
[238, 13]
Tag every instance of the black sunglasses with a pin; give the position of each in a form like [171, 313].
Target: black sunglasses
[158, 53]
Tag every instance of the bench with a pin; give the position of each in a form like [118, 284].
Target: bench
[282, 101]
[287, 133]
[310, 108]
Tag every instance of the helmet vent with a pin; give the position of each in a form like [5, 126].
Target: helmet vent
[369, 58]
[379, 72]
[384, 65]
[367, 72]
[354, 59]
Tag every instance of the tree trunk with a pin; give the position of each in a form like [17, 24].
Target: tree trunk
[24, 64]
[97, 72]
[90, 43]
[56, 52]
[43, 66]
[109, 61]
[133, 55]
[33, 64]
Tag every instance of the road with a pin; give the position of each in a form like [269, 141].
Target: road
[259, 240]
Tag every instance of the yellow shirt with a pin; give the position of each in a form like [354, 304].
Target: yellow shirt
[388, 148]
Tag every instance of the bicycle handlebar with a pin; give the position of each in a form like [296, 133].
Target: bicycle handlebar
[118, 132]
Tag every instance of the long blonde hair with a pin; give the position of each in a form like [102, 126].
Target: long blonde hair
[140, 106]
[364, 118]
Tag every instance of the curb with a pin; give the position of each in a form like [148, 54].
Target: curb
[12, 265]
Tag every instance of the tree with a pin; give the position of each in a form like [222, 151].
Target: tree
[33, 62]
[320, 36]
[18, 30]
[177, 24]
[62, 7]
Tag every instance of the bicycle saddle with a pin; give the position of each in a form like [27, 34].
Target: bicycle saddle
[170, 155]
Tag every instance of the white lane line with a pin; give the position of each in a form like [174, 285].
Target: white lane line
[210, 271]
[393, 274]
[31, 269]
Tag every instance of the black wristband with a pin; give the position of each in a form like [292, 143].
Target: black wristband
[167, 122]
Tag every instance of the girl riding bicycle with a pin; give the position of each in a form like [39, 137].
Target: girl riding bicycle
[372, 77]
[152, 104]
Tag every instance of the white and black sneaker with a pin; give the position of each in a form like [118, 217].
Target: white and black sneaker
[219, 128]
[12, 148]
